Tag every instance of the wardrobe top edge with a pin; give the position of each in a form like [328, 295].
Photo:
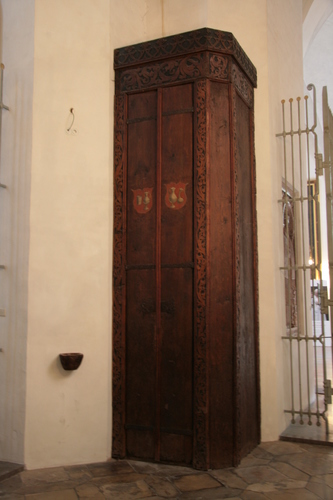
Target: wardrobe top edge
[204, 39]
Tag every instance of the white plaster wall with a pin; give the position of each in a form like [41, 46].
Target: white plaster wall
[15, 164]
[285, 73]
[68, 414]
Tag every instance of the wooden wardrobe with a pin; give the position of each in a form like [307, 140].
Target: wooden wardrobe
[185, 285]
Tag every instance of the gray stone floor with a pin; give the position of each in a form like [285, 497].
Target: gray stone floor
[278, 470]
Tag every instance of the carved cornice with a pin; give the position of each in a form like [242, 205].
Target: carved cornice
[192, 42]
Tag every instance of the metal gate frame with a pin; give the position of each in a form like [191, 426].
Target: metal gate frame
[306, 337]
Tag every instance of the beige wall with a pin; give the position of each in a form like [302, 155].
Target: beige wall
[15, 164]
[68, 415]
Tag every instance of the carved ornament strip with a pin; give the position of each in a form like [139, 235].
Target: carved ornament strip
[242, 85]
[200, 457]
[161, 73]
[219, 67]
[118, 282]
[255, 273]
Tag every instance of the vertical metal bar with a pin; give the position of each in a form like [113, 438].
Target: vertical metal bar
[322, 336]
[296, 260]
[304, 256]
[286, 218]
[288, 291]
[158, 275]
[315, 257]
[328, 138]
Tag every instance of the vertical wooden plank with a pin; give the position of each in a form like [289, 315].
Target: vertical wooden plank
[141, 279]
[246, 338]
[177, 226]
[177, 275]
[140, 363]
[236, 276]
[220, 286]
[158, 276]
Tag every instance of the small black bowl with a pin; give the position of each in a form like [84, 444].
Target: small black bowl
[71, 360]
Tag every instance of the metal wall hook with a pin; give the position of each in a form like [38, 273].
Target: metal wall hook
[70, 129]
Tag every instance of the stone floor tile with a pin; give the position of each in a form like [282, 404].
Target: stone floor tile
[281, 447]
[265, 487]
[313, 448]
[229, 478]
[289, 471]
[322, 490]
[260, 473]
[78, 472]
[127, 491]
[324, 478]
[310, 463]
[54, 495]
[34, 487]
[104, 469]
[211, 494]
[89, 490]
[260, 452]
[232, 498]
[9, 469]
[144, 467]
[11, 485]
[162, 487]
[164, 470]
[118, 478]
[11, 496]
[250, 495]
[250, 461]
[196, 482]
[301, 494]
[52, 475]
[328, 478]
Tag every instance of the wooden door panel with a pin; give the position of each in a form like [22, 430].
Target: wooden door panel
[143, 105]
[178, 98]
[176, 448]
[176, 365]
[221, 385]
[176, 349]
[247, 339]
[177, 189]
[140, 362]
[141, 179]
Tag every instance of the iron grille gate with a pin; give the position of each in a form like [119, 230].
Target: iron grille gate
[308, 335]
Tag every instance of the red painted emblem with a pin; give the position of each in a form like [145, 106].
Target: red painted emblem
[175, 197]
[143, 200]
